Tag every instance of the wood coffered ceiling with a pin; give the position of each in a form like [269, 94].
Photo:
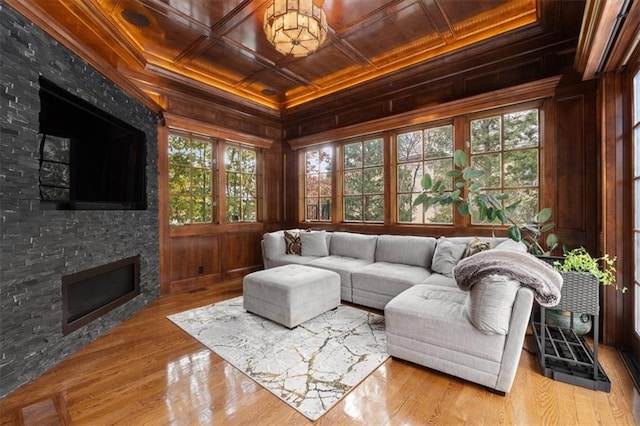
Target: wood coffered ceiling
[217, 48]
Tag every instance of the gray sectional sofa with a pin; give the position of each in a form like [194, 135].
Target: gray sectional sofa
[475, 335]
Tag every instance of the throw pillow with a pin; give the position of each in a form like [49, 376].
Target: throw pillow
[292, 241]
[490, 302]
[511, 245]
[476, 245]
[314, 243]
[446, 256]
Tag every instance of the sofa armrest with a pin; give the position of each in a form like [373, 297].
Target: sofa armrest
[518, 324]
[273, 245]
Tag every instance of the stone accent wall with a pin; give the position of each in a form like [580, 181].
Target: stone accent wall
[38, 246]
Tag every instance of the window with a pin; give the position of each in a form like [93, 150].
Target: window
[363, 190]
[636, 199]
[505, 147]
[423, 151]
[240, 165]
[318, 189]
[504, 144]
[191, 184]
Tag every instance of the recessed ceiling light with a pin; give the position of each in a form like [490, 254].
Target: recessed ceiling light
[135, 18]
[268, 92]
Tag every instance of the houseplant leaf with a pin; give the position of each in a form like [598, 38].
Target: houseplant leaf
[547, 227]
[459, 158]
[426, 182]
[421, 198]
[514, 233]
[543, 215]
[471, 173]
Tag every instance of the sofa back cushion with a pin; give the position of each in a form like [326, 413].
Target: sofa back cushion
[447, 255]
[314, 243]
[359, 246]
[409, 250]
[273, 244]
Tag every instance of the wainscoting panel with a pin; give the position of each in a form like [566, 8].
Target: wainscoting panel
[242, 254]
[195, 257]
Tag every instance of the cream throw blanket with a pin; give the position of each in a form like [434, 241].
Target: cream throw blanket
[523, 267]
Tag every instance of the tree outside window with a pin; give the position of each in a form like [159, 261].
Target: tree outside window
[418, 152]
[363, 191]
[506, 148]
[190, 179]
[241, 184]
[317, 184]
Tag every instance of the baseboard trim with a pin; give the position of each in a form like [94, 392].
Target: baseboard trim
[631, 365]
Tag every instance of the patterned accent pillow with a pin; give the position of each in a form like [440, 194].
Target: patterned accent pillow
[476, 245]
[292, 242]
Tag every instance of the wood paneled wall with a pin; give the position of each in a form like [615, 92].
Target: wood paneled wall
[570, 158]
[205, 255]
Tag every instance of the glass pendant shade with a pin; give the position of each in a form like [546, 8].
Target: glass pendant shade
[295, 27]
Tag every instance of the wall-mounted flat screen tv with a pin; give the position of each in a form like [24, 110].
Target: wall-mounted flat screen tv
[89, 159]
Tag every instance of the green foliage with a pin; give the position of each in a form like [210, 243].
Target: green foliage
[579, 260]
[363, 184]
[489, 206]
[190, 180]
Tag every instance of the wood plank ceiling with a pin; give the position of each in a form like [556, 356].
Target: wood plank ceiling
[219, 48]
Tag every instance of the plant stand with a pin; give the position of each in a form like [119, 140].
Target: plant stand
[563, 355]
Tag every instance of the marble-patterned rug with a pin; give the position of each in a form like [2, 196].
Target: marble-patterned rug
[310, 367]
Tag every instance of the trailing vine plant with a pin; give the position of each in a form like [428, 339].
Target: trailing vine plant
[579, 260]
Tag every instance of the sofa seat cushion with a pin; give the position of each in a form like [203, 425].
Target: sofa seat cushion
[439, 280]
[287, 259]
[343, 266]
[435, 318]
[376, 284]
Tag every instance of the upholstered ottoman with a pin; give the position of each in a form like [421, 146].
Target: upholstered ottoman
[291, 294]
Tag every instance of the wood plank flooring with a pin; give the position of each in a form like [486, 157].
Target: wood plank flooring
[147, 371]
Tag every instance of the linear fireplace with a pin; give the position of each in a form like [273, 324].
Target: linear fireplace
[89, 294]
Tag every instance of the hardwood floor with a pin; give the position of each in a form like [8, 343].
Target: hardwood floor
[147, 371]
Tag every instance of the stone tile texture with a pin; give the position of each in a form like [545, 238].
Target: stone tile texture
[39, 246]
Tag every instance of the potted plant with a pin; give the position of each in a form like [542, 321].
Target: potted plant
[582, 275]
[469, 196]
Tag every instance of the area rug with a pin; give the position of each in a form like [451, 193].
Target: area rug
[310, 367]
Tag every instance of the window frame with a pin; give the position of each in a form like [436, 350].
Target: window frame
[302, 186]
[395, 165]
[461, 141]
[213, 171]
[362, 195]
[634, 197]
[502, 111]
[178, 125]
[223, 212]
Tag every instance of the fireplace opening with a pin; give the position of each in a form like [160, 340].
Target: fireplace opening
[89, 294]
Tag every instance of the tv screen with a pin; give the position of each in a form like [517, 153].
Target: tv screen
[89, 159]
